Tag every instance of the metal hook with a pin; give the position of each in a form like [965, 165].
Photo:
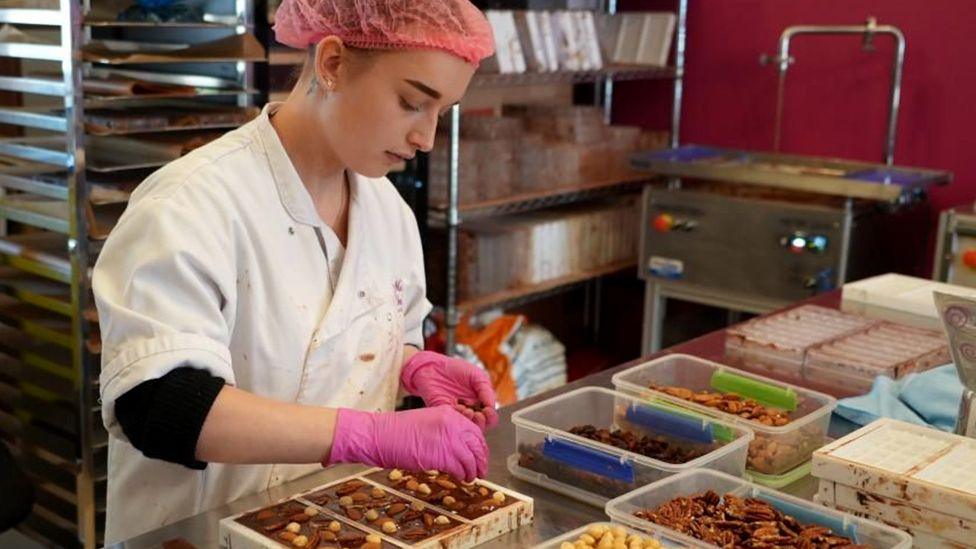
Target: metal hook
[869, 27]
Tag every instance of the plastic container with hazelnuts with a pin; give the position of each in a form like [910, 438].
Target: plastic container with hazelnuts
[596, 533]
[789, 422]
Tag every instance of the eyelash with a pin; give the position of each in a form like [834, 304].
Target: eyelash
[407, 106]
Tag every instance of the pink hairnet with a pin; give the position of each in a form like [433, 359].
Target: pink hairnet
[454, 26]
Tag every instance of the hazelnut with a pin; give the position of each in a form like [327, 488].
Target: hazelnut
[372, 515]
[311, 511]
[300, 541]
[442, 520]
[335, 526]
[424, 489]
[483, 491]
[378, 493]
[345, 501]
[499, 497]
[390, 527]
[412, 485]
[417, 506]
[294, 527]
[449, 500]
[395, 475]
[373, 538]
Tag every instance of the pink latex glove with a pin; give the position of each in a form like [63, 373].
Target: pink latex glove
[440, 379]
[418, 440]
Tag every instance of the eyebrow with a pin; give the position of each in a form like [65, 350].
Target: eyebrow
[424, 88]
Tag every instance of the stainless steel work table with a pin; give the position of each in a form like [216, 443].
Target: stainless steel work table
[554, 513]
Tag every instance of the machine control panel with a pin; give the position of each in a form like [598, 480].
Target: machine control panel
[969, 258]
[665, 222]
[800, 242]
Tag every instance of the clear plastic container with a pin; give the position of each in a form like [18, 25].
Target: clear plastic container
[775, 450]
[570, 537]
[550, 456]
[777, 482]
[784, 364]
[690, 483]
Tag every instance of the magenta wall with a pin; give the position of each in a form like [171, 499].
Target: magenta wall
[837, 95]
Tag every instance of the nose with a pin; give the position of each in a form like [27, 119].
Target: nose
[422, 136]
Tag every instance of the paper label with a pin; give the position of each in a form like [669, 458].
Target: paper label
[664, 267]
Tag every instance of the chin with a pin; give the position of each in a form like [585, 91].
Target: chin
[378, 169]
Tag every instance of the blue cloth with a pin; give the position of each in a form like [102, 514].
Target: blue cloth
[928, 398]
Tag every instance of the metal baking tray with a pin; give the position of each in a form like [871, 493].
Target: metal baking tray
[239, 47]
[113, 154]
[817, 175]
[165, 117]
[43, 253]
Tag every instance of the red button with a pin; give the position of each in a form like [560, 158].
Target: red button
[969, 258]
[663, 223]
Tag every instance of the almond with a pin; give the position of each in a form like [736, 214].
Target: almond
[444, 483]
[395, 509]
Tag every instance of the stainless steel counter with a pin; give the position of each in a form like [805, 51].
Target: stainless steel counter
[554, 514]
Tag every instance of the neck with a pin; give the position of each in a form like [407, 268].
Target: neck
[320, 170]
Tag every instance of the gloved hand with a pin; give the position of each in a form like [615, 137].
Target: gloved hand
[440, 379]
[418, 440]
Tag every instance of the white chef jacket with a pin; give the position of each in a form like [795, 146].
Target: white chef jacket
[218, 264]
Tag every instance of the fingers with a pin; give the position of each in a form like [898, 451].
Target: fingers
[466, 464]
[478, 449]
[485, 392]
[465, 411]
[491, 418]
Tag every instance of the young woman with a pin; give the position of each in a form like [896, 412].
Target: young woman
[262, 298]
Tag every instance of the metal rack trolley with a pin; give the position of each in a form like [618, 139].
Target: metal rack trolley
[49, 341]
[452, 215]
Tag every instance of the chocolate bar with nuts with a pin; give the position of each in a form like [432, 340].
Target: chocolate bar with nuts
[294, 524]
[734, 522]
[466, 499]
[383, 511]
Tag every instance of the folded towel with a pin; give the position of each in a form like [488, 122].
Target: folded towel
[928, 398]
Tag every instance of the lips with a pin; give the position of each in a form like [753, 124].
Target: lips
[400, 157]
